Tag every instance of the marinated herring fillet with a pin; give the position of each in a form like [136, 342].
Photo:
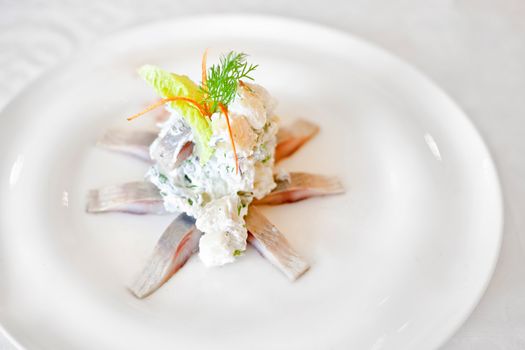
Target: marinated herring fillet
[137, 197]
[178, 242]
[301, 186]
[272, 245]
[291, 138]
[145, 198]
[172, 146]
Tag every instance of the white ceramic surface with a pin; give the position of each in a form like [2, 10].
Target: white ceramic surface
[398, 263]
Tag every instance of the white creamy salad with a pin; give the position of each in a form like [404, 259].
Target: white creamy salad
[218, 190]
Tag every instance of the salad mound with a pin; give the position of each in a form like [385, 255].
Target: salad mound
[216, 151]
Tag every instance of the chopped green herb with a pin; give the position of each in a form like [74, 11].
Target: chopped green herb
[268, 157]
[187, 178]
[190, 202]
[237, 252]
[239, 207]
[163, 179]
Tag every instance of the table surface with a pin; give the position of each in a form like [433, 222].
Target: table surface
[473, 49]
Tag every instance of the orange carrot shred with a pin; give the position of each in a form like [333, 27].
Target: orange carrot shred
[163, 101]
[203, 66]
[204, 80]
[225, 112]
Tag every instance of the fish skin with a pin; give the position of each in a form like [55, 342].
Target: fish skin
[293, 137]
[301, 186]
[131, 142]
[171, 149]
[138, 197]
[273, 246]
[184, 153]
[136, 143]
[177, 244]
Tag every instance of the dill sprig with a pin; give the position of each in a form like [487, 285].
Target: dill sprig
[222, 80]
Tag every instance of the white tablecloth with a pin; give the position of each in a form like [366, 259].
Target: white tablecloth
[473, 49]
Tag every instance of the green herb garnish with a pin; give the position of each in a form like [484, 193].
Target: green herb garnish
[237, 252]
[190, 202]
[223, 79]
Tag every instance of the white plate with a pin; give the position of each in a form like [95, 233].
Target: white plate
[397, 263]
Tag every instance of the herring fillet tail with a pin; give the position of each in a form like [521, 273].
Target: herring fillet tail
[301, 186]
[293, 137]
[137, 197]
[131, 142]
[272, 245]
[176, 245]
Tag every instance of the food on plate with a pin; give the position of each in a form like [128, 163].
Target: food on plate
[233, 129]
[213, 157]
[142, 197]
